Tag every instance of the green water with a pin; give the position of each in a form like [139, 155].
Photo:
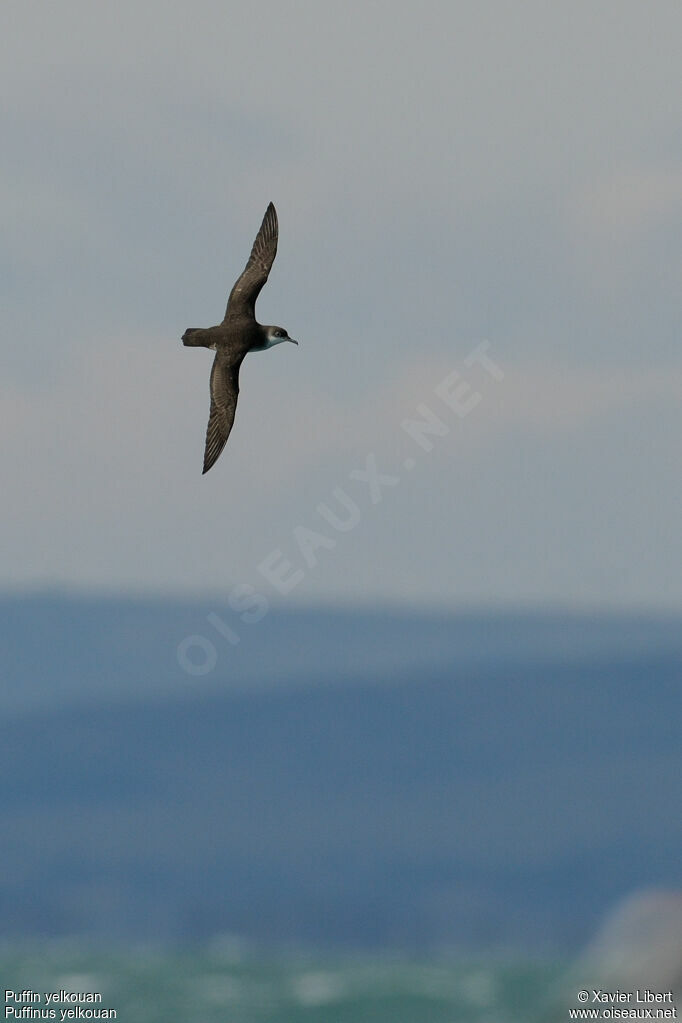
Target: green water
[223, 982]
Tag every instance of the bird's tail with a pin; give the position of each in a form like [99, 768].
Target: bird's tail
[191, 337]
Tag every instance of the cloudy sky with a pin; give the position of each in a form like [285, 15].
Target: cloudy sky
[480, 233]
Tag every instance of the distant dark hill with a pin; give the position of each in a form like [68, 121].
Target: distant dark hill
[505, 783]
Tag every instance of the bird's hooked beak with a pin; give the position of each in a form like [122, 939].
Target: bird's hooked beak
[292, 340]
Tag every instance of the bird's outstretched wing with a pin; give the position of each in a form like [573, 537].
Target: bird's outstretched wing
[247, 288]
[224, 392]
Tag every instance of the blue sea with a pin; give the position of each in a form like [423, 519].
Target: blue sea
[223, 981]
[490, 783]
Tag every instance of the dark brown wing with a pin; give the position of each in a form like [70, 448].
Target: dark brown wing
[247, 288]
[224, 391]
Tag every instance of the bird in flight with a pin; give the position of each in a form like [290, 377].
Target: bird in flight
[236, 336]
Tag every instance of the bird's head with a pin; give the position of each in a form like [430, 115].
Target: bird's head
[275, 335]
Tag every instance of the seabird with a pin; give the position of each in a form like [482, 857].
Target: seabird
[238, 334]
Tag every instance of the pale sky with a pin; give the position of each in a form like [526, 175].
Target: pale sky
[446, 174]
